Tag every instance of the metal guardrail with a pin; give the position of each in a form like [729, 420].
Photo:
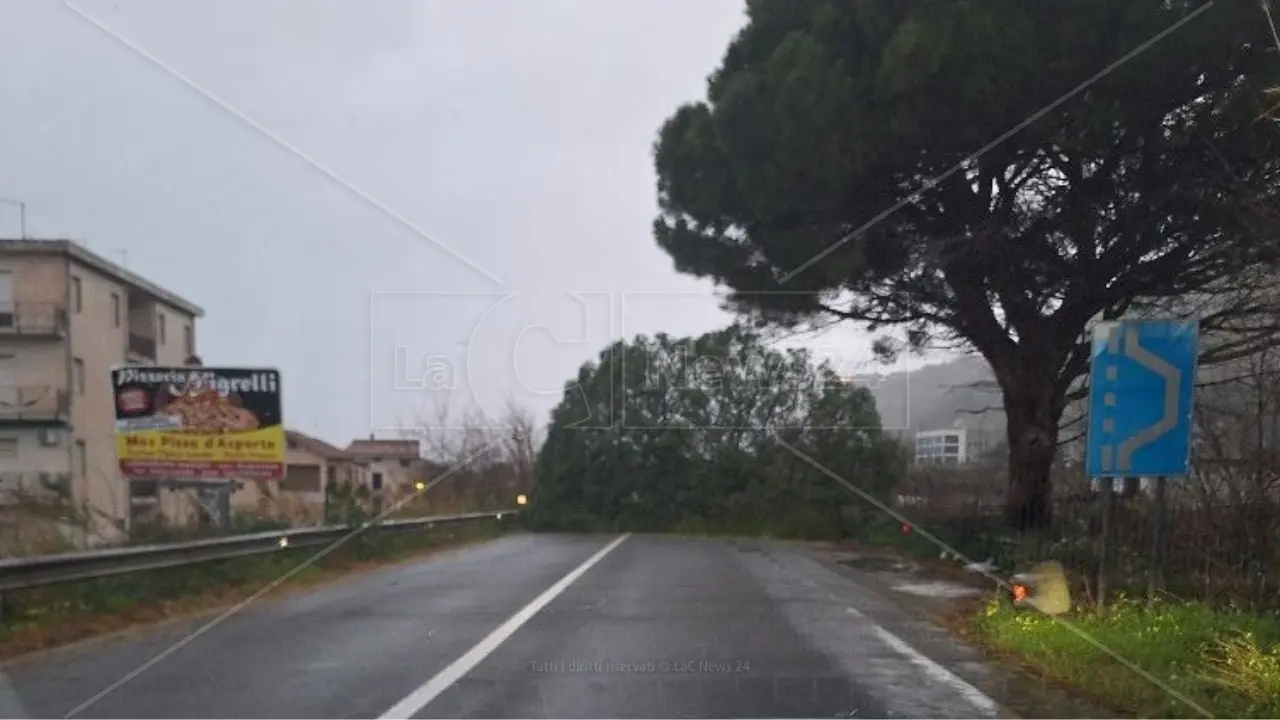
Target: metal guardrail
[28, 572]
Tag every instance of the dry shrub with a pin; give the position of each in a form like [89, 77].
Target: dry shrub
[940, 490]
[296, 511]
[487, 461]
[1246, 667]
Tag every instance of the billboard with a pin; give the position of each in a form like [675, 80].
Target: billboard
[198, 422]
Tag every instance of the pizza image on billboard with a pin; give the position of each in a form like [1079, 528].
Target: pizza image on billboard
[198, 422]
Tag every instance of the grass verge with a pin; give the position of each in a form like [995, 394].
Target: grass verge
[1225, 660]
[56, 615]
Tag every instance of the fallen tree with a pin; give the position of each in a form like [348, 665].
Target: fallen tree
[712, 434]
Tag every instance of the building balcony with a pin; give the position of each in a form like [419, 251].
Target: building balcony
[141, 348]
[34, 487]
[33, 320]
[34, 404]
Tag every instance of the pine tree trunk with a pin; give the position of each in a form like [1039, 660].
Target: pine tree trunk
[1032, 414]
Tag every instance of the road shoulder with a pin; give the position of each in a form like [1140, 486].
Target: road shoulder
[928, 607]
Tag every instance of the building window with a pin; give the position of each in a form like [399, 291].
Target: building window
[377, 481]
[302, 479]
[115, 309]
[160, 326]
[188, 340]
[81, 460]
[77, 375]
[77, 298]
[7, 318]
[144, 488]
[8, 448]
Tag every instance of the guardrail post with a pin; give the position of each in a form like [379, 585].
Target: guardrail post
[224, 507]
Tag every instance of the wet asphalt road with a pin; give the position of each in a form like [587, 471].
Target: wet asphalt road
[657, 627]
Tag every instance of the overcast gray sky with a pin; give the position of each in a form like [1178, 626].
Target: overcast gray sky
[516, 132]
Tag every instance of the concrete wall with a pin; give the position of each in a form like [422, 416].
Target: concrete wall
[38, 279]
[97, 343]
[397, 480]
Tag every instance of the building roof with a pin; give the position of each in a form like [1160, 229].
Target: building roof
[316, 446]
[385, 448]
[959, 430]
[83, 255]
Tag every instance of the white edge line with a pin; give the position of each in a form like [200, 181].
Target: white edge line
[432, 688]
[10, 702]
[936, 672]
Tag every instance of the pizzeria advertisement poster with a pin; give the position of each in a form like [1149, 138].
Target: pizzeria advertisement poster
[207, 422]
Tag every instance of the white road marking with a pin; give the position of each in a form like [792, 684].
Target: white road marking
[10, 704]
[432, 688]
[937, 589]
[971, 694]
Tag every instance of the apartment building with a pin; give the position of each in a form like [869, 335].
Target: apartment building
[67, 315]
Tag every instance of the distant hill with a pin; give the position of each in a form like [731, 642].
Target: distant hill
[962, 392]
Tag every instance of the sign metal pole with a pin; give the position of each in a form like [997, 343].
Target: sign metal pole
[1159, 511]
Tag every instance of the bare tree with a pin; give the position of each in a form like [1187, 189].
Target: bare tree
[491, 459]
[520, 444]
[450, 441]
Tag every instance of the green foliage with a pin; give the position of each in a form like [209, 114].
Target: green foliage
[243, 523]
[346, 503]
[1246, 667]
[825, 114]
[1225, 661]
[694, 435]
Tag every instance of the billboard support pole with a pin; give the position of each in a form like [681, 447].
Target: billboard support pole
[224, 507]
[220, 509]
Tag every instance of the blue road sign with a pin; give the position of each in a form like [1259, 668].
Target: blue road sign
[1141, 389]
